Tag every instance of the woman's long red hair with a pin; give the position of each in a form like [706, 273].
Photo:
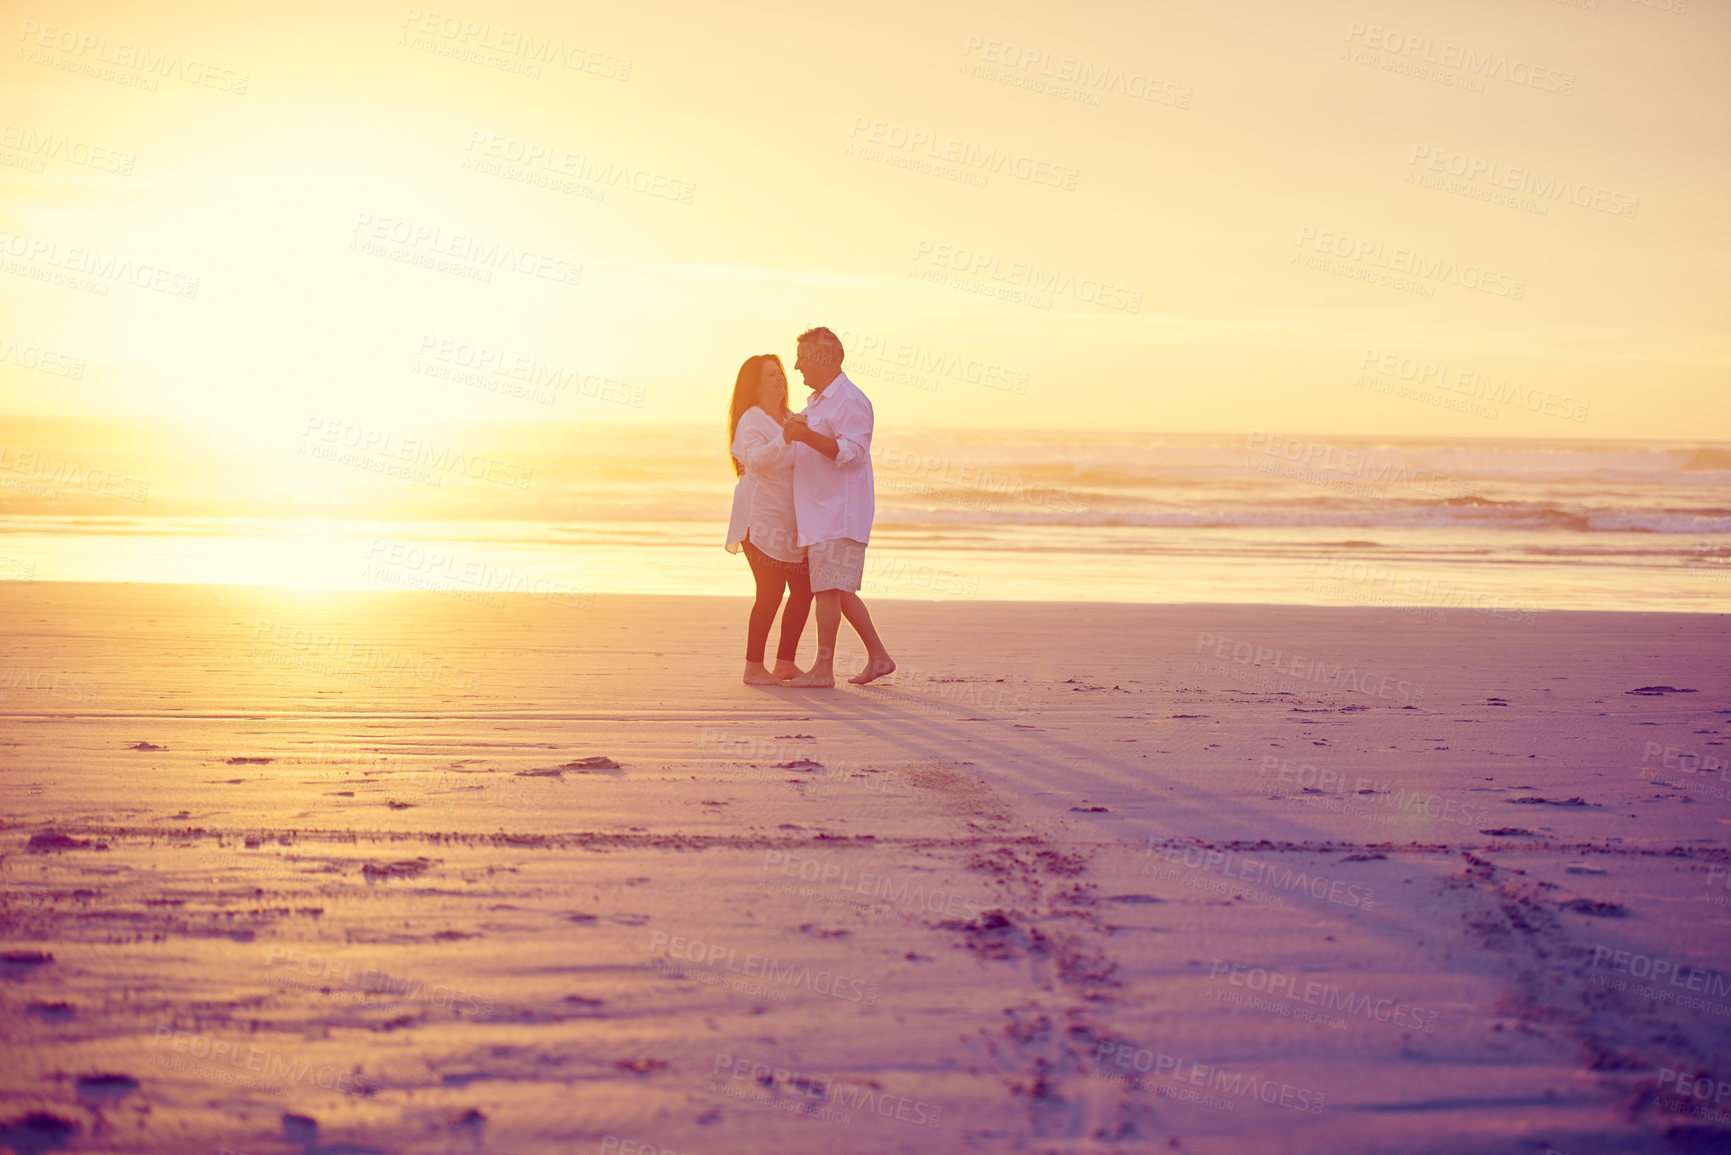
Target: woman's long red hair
[745, 390]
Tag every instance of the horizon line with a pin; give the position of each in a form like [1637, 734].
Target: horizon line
[1043, 430]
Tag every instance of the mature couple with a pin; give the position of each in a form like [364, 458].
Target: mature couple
[802, 509]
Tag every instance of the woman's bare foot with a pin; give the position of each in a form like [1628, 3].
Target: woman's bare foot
[820, 676]
[756, 675]
[875, 669]
[786, 670]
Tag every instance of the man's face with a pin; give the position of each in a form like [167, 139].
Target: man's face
[815, 370]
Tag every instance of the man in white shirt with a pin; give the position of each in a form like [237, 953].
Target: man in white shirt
[834, 502]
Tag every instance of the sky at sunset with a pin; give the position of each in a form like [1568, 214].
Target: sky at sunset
[1354, 218]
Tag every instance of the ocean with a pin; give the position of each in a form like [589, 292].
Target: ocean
[1444, 527]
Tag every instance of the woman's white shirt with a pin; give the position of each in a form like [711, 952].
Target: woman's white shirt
[763, 496]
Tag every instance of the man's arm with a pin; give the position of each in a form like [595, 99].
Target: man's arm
[797, 430]
[853, 430]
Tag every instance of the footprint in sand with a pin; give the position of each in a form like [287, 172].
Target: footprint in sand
[37, 1131]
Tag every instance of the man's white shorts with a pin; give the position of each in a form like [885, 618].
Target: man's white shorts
[837, 564]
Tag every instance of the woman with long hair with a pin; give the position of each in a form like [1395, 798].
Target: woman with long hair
[762, 523]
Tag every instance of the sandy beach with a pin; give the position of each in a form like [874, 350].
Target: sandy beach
[397, 872]
[1286, 449]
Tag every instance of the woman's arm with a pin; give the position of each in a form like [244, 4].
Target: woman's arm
[753, 443]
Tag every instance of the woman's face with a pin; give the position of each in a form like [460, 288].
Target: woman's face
[772, 388]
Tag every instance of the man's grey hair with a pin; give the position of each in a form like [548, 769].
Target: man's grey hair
[824, 342]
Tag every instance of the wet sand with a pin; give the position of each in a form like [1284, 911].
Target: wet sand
[401, 872]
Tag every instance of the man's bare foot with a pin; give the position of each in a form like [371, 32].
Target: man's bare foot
[818, 677]
[786, 670]
[756, 675]
[875, 669]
